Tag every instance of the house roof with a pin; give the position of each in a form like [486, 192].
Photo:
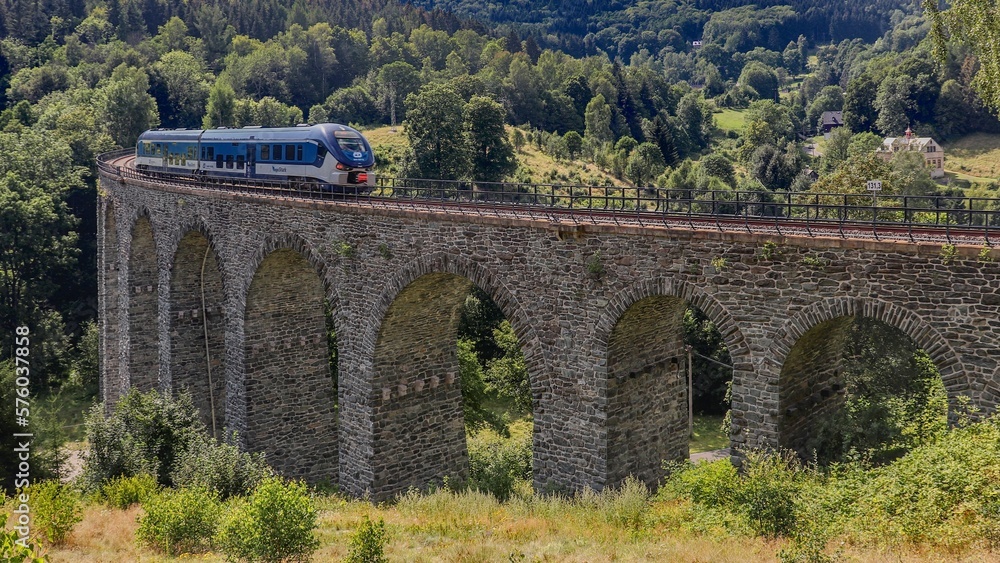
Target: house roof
[833, 118]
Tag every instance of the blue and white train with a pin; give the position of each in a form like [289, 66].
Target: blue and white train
[327, 155]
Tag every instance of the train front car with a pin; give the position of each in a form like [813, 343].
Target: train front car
[353, 157]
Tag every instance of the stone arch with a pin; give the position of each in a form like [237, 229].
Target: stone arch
[289, 397]
[197, 323]
[143, 304]
[109, 296]
[415, 389]
[639, 343]
[811, 344]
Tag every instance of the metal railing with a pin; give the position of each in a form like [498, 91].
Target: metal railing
[849, 215]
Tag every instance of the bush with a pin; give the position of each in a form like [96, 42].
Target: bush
[627, 505]
[220, 467]
[761, 501]
[275, 524]
[55, 510]
[368, 543]
[13, 552]
[122, 492]
[145, 434]
[767, 492]
[496, 464]
[180, 520]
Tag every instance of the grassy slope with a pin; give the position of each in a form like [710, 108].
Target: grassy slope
[974, 157]
[472, 527]
[540, 166]
[730, 120]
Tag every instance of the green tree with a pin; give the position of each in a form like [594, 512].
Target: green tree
[718, 166]
[508, 374]
[644, 164]
[351, 105]
[951, 112]
[597, 121]
[973, 22]
[181, 88]
[574, 143]
[221, 106]
[126, 106]
[761, 78]
[859, 104]
[394, 83]
[490, 149]
[435, 130]
[895, 104]
[766, 123]
[37, 237]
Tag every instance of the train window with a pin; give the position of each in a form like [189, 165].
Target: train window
[351, 143]
[229, 161]
[211, 153]
[289, 152]
[265, 152]
[239, 161]
[191, 151]
[218, 161]
[159, 149]
[298, 152]
[321, 151]
[277, 152]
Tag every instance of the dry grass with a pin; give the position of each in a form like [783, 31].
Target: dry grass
[471, 527]
[974, 157]
[540, 166]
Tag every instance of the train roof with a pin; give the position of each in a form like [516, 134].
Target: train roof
[319, 132]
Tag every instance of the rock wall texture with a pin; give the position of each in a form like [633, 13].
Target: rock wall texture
[596, 308]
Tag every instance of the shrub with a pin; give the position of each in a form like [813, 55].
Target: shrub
[220, 467]
[145, 434]
[13, 552]
[55, 510]
[122, 492]
[627, 505]
[275, 524]
[180, 520]
[368, 543]
[762, 500]
[767, 492]
[496, 464]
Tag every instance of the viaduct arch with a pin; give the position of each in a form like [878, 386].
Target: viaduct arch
[598, 340]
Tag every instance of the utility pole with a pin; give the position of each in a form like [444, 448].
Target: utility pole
[690, 371]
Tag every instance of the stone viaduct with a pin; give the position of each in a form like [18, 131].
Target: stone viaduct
[230, 292]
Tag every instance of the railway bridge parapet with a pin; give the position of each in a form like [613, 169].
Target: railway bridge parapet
[231, 296]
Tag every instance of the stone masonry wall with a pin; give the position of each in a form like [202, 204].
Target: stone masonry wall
[189, 367]
[647, 391]
[419, 435]
[290, 410]
[811, 387]
[542, 275]
[109, 267]
[143, 289]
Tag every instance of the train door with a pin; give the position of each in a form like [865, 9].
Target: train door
[251, 149]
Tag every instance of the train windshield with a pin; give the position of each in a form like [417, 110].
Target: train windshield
[350, 142]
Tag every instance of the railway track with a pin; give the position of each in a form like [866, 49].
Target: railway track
[416, 198]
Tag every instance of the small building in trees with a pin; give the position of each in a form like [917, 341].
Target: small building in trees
[830, 120]
[933, 152]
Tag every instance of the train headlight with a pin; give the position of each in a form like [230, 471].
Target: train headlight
[340, 166]
[362, 177]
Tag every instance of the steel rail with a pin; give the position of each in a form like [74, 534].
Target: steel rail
[916, 218]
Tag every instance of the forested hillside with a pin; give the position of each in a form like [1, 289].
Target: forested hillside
[623, 27]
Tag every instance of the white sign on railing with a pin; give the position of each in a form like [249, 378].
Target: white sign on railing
[874, 185]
